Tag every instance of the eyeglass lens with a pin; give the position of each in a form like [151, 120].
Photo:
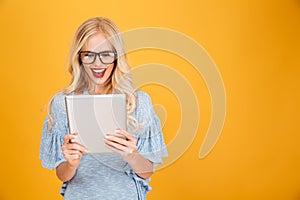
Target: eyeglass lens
[90, 57]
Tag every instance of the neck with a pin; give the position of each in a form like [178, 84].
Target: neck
[98, 89]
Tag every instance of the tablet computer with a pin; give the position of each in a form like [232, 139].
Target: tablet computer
[93, 116]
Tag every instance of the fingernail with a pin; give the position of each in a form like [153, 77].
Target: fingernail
[117, 130]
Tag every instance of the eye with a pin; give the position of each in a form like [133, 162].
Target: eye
[87, 55]
[107, 54]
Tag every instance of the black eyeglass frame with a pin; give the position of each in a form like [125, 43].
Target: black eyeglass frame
[98, 54]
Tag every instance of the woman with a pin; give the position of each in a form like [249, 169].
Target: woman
[98, 65]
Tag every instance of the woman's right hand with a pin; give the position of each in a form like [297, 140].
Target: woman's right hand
[72, 151]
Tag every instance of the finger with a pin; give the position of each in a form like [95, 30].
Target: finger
[115, 145]
[119, 147]
[114, 149]
[69, 137]
[72, 154]
[118, 140]
[126, 152]
[125, 133]
[66, 151]
[75, 156]
[76, 146]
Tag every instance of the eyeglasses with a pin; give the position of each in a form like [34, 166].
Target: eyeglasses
[88, 57]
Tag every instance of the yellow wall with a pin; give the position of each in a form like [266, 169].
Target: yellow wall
[256, 46]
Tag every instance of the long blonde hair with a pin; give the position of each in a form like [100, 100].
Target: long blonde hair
[120, 82]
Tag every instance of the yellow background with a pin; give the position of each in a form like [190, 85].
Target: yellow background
[256, 46]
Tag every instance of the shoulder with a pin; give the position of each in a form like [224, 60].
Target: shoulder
[58, 101]
[143, 99]
[144, 109]
[59, 97]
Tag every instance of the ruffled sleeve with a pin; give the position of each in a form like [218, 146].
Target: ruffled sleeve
[51, 141]
[150, 142]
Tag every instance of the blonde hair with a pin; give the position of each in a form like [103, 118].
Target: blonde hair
[120, 81]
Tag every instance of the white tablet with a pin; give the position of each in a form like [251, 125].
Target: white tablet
[93, 116]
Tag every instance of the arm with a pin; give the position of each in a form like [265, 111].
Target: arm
[142, 166]
[65, 171]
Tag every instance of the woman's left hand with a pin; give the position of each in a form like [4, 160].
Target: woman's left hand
[123, 143]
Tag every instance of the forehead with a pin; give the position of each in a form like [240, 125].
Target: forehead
[97, 43]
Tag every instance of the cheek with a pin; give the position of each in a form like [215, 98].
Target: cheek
[86, 70]
[109, 70]
[87, 67]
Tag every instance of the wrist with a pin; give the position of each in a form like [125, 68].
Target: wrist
[141, 166]
[70, 166]
[131, 158]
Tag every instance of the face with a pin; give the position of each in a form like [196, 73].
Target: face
[97, 71]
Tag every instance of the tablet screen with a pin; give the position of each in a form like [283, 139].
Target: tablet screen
[93, 116]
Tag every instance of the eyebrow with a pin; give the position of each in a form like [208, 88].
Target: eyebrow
[105, 51]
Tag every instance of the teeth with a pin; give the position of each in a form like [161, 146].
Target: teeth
[98, 70]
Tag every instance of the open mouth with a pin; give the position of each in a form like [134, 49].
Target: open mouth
[98, 72]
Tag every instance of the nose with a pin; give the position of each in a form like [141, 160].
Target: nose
[98, 61]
